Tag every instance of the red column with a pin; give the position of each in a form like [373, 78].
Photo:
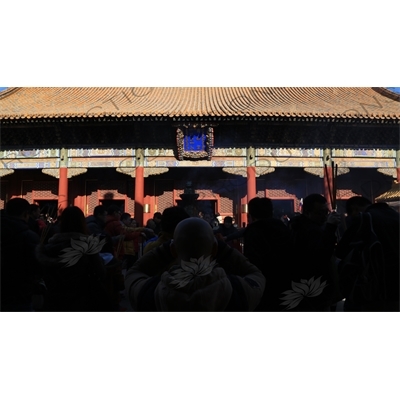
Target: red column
[327, 184]
[243, 211]
[251, 183]
[139, 195]
[63, 190]
[148, 214]
[398, 174]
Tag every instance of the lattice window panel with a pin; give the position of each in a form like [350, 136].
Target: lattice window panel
[282, 193]
[29, 197]
[91, 201]
[279, 193]
[91, 196]
[45, 190]
[226, 205]
[345, 194]
[164, 191]
[165, 200]
[261, 193]
[206, 194]
[130, 206]
[130, 200]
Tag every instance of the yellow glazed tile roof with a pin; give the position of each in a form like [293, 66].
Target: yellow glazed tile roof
[320, 102]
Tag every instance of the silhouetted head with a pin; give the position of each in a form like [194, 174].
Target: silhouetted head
[114, 211]
[171, 217]
[126, 219]
[72, 219]
[100, 212]
[18, 208]
[315, 207]
[34, 211]
[193, 238]
[150, 224]
[260, 208]
[157, 217]
[356, 205]
[228, 221]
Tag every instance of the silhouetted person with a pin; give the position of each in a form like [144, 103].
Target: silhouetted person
[170, 218]
[157, 220]
[385, 224]
[314, 234]
[96, 224]
[117, 231]
[35, 222]
[194, 273]
[74, 272]
[268, 245]
[131, 247]
[354, 206]
[226, 228]
[209, 216]
[19, 268]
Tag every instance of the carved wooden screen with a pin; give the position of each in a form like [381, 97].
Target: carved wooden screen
[164, 192]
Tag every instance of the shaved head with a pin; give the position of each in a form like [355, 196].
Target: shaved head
[193, 238]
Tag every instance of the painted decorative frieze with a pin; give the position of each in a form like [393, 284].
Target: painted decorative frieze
[379, 153]
[159, 153]
[388, 171]
[288, 152]
[242, 171]
[36, 153]
[288, 162]
[147, 171]
[366, 162]
[101, 162]
[6, 171]
[320, 171]
[71, 172]
[229, 152]
[101, 152]
[30, 164]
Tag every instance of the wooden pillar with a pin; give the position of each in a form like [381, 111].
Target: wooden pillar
[327, 154]
[398, 165]
[148, 209]
[251, 173]
[139, 186]
[243, 211]
[63, 181]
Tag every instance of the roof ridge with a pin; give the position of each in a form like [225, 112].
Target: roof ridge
[8, 91]
[387, 93]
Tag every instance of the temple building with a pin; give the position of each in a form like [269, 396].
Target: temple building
[139, 147]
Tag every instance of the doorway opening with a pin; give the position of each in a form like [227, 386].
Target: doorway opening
[283, 207]
[48, 208]
[108, 202]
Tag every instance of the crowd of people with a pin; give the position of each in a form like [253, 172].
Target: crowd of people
[182, 263]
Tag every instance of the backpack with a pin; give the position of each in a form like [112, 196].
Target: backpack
[363, 270]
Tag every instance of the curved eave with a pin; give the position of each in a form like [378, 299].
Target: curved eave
[362, 104]
[248, 114]
[391, 195]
